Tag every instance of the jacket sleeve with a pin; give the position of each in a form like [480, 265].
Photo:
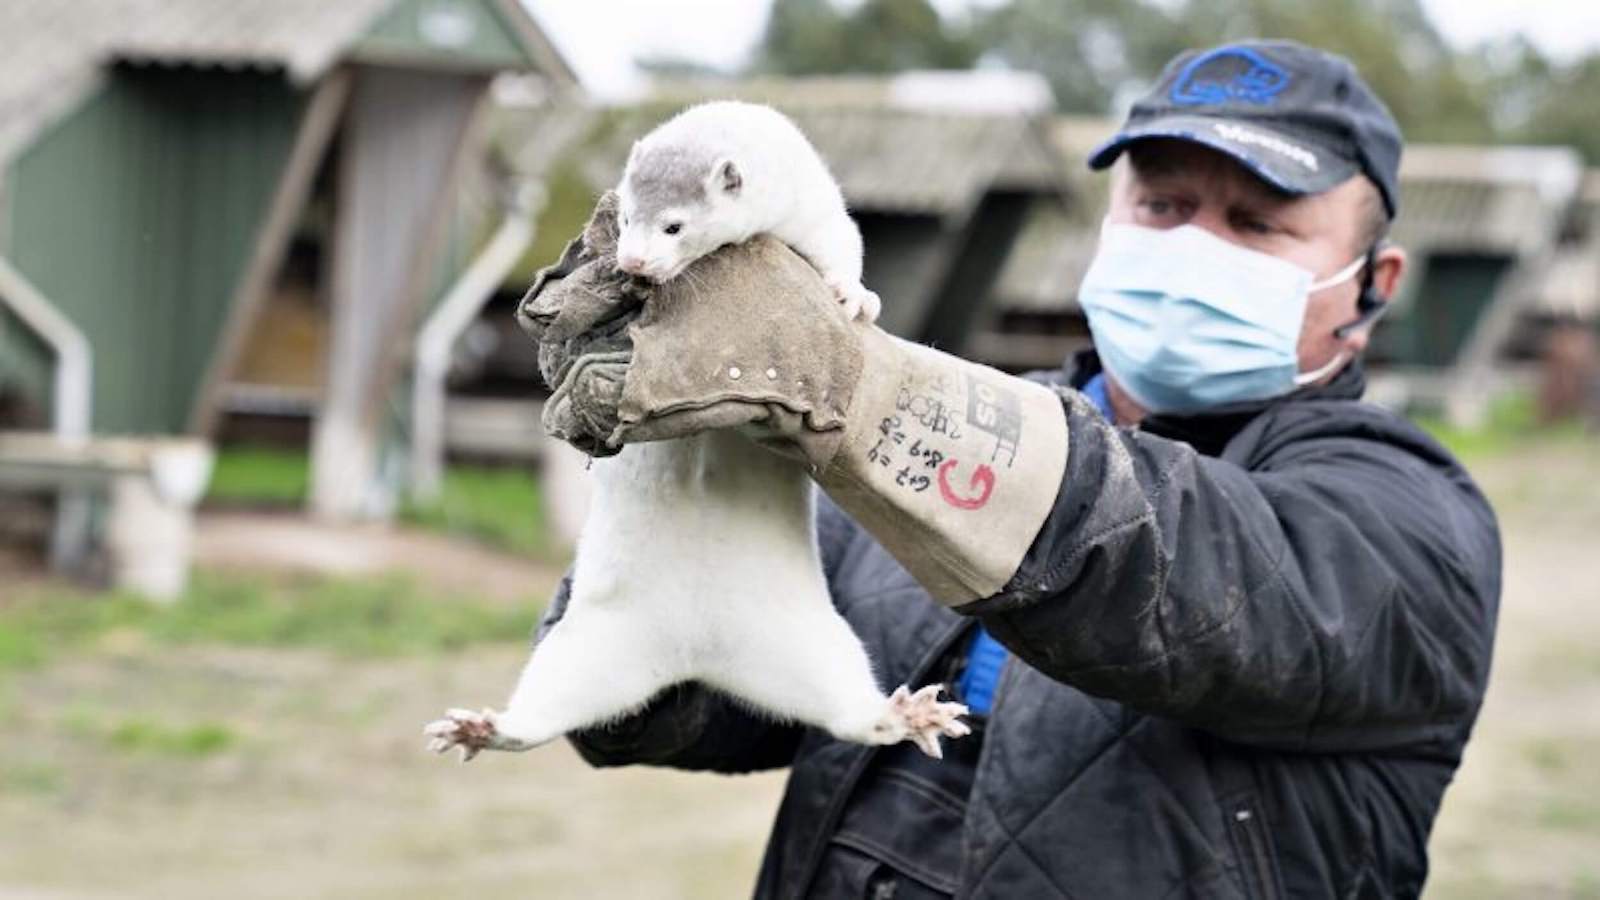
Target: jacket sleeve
[1337, 590]
[686, 726]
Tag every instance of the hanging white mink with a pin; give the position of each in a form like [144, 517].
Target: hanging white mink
[699, 560]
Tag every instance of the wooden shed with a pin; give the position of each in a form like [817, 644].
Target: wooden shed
[159, 159]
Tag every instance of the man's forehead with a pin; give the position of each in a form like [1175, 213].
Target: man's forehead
[1167, 160]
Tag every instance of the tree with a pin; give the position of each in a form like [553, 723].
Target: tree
[1391, 42]
[1096, 54]
[1536, 100]
[806, 37]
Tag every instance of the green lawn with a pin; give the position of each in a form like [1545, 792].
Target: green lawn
[1512, 422]
[259, 476]
[501, 507]
[355, 617]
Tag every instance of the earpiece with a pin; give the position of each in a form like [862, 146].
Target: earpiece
[1369, 306]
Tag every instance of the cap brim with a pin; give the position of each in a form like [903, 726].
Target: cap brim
[1285, 160]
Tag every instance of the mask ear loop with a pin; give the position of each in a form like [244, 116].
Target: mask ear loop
[1369, 306]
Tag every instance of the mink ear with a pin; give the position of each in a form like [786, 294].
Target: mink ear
[725, 176]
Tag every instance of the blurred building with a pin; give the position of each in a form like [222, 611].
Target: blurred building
[980, 218]
[941, 170]
[240, 206]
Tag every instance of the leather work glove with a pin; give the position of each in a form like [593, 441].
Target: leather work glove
[952, 466]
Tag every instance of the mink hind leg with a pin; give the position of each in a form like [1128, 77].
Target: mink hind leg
[804, 665]
[589, 668]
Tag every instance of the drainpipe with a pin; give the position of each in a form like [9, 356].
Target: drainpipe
[456, 312]
[74, 389]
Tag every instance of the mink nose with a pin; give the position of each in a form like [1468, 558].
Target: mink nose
[633, 265]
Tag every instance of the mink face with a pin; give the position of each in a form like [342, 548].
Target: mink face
[673, 198]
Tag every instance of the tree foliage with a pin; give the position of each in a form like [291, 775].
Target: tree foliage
[808, 37]
[1100, 54]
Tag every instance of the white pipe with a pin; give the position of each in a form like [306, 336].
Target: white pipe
[72, 404]
[74, 386]
[456, 312]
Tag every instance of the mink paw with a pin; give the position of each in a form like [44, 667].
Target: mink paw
[922, 718]
[472, 732]
[858, 302]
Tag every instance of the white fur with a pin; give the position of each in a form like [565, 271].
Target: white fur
[786, 191]
[697, 562]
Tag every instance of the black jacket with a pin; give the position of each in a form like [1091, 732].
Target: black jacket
[1247, 650]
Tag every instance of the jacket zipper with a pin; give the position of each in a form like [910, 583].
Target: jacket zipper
[1253, 845]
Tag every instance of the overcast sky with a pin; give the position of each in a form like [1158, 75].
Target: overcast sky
[601, 37]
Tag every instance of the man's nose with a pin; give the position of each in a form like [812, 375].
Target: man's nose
[630, 263]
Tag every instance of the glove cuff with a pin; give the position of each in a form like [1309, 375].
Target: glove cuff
[952, 466]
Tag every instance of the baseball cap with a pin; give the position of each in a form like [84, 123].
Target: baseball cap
[1300, 118]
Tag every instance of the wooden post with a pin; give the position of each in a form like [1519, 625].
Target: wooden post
[402, 144]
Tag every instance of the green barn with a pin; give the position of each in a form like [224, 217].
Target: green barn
[162, 161]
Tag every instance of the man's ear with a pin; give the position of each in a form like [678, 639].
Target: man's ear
[725, 177]
[1389, 265]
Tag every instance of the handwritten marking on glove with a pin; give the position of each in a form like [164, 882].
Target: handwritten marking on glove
[982, 481]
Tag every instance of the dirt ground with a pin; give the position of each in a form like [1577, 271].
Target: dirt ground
[1523, 817]
[324, 790]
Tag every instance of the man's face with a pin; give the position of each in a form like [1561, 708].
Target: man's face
[1166, 183]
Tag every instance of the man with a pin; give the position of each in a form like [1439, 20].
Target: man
[1224, 629]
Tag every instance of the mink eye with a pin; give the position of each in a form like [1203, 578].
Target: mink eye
[673, 228]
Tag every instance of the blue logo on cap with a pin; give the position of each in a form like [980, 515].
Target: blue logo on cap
[1226, 74]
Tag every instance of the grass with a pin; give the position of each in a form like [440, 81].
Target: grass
[1512, 421]
[1570, 814]
[32, 778]
[356, 617]
[1548, 755]
[191, 741]
[501, 507]
[260, 476]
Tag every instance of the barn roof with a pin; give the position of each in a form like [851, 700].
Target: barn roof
[1483, 199]
[1572, 285]
[911, 144]
[56, 50]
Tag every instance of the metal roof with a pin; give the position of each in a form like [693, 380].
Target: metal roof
[1470, 199]
[1572, 285]
[891, 148]
[56, 49]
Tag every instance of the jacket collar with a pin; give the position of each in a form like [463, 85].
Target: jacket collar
[1209, 432]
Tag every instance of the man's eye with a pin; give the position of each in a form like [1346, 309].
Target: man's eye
[673, 228]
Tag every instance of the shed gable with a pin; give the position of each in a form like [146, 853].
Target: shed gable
[451, 33]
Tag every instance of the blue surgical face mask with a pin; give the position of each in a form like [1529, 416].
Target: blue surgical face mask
[1186, 321]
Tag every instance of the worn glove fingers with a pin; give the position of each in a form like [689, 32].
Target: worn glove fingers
[539, 306]
[582, 410]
